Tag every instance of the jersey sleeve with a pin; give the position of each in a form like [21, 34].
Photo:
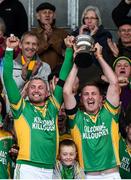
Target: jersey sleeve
[10, 85]
[115, 111]
[65, 69]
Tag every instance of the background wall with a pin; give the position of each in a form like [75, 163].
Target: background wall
[65, 9]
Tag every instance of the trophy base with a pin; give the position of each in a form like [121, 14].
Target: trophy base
[83, 60]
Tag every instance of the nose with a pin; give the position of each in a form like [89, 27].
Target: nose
[30, 45]
[89, 96]
[47, 13]
[36, 89]
[68, 156]
[122, 67]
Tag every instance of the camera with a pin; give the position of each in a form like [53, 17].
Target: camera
[85, 44]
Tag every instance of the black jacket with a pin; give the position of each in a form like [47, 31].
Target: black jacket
[120, 14]
[14, 16]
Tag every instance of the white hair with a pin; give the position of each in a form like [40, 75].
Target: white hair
[92, 8]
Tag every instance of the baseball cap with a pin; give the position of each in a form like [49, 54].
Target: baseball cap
[121, 58]
[45, 5]
[124, 21]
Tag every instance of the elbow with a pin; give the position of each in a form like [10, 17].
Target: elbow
[66, 91]
[115, 82]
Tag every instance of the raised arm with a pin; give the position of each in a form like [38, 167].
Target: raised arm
[69, 97]
[121, 11]
[65, 69]
[113, 91]
[10, 85]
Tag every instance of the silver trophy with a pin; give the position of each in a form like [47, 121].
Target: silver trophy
[85, 44]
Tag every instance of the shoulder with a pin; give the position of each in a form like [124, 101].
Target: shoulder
[103, 32]
[60, 31]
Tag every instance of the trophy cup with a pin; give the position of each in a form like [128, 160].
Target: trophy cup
[85, 43]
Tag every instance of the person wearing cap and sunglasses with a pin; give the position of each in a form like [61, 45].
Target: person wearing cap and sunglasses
[51, 38]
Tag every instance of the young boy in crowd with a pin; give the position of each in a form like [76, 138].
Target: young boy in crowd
[67, 166]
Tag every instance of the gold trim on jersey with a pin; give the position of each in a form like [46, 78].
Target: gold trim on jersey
[115, 140]
[71, 117]
[54, 102]
[24, 138]
[93, 117]
[110, 108]
[17, 106]
[57, 138]
[78, 141]
[43, 110]
[128, 149]
[5, 135]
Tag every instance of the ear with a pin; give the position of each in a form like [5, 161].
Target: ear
[126, 129]
[47, 93]
[118, 33]
[80, 95]
[54, 15]
[37, 16]
[83, 21]
[101, 98]
[20, 45]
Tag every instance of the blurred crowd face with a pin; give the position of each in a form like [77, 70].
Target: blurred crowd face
[62, 119]
[53, 83]
[68, 154]
[91, 99]
[29, 46]
[128, 131]
[123, 69]
[46, 16]
[124, 33]
[37, 92]
[91, 20]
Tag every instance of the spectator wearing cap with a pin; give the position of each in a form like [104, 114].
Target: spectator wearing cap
[51, 38]
[122, 68]
[123, 23]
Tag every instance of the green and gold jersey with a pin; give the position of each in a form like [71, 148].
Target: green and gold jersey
[6, 164]
[36, 130]
[97, 138]
[125, 158]
[36, 127]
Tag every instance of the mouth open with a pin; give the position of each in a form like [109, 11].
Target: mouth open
[122, 72]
